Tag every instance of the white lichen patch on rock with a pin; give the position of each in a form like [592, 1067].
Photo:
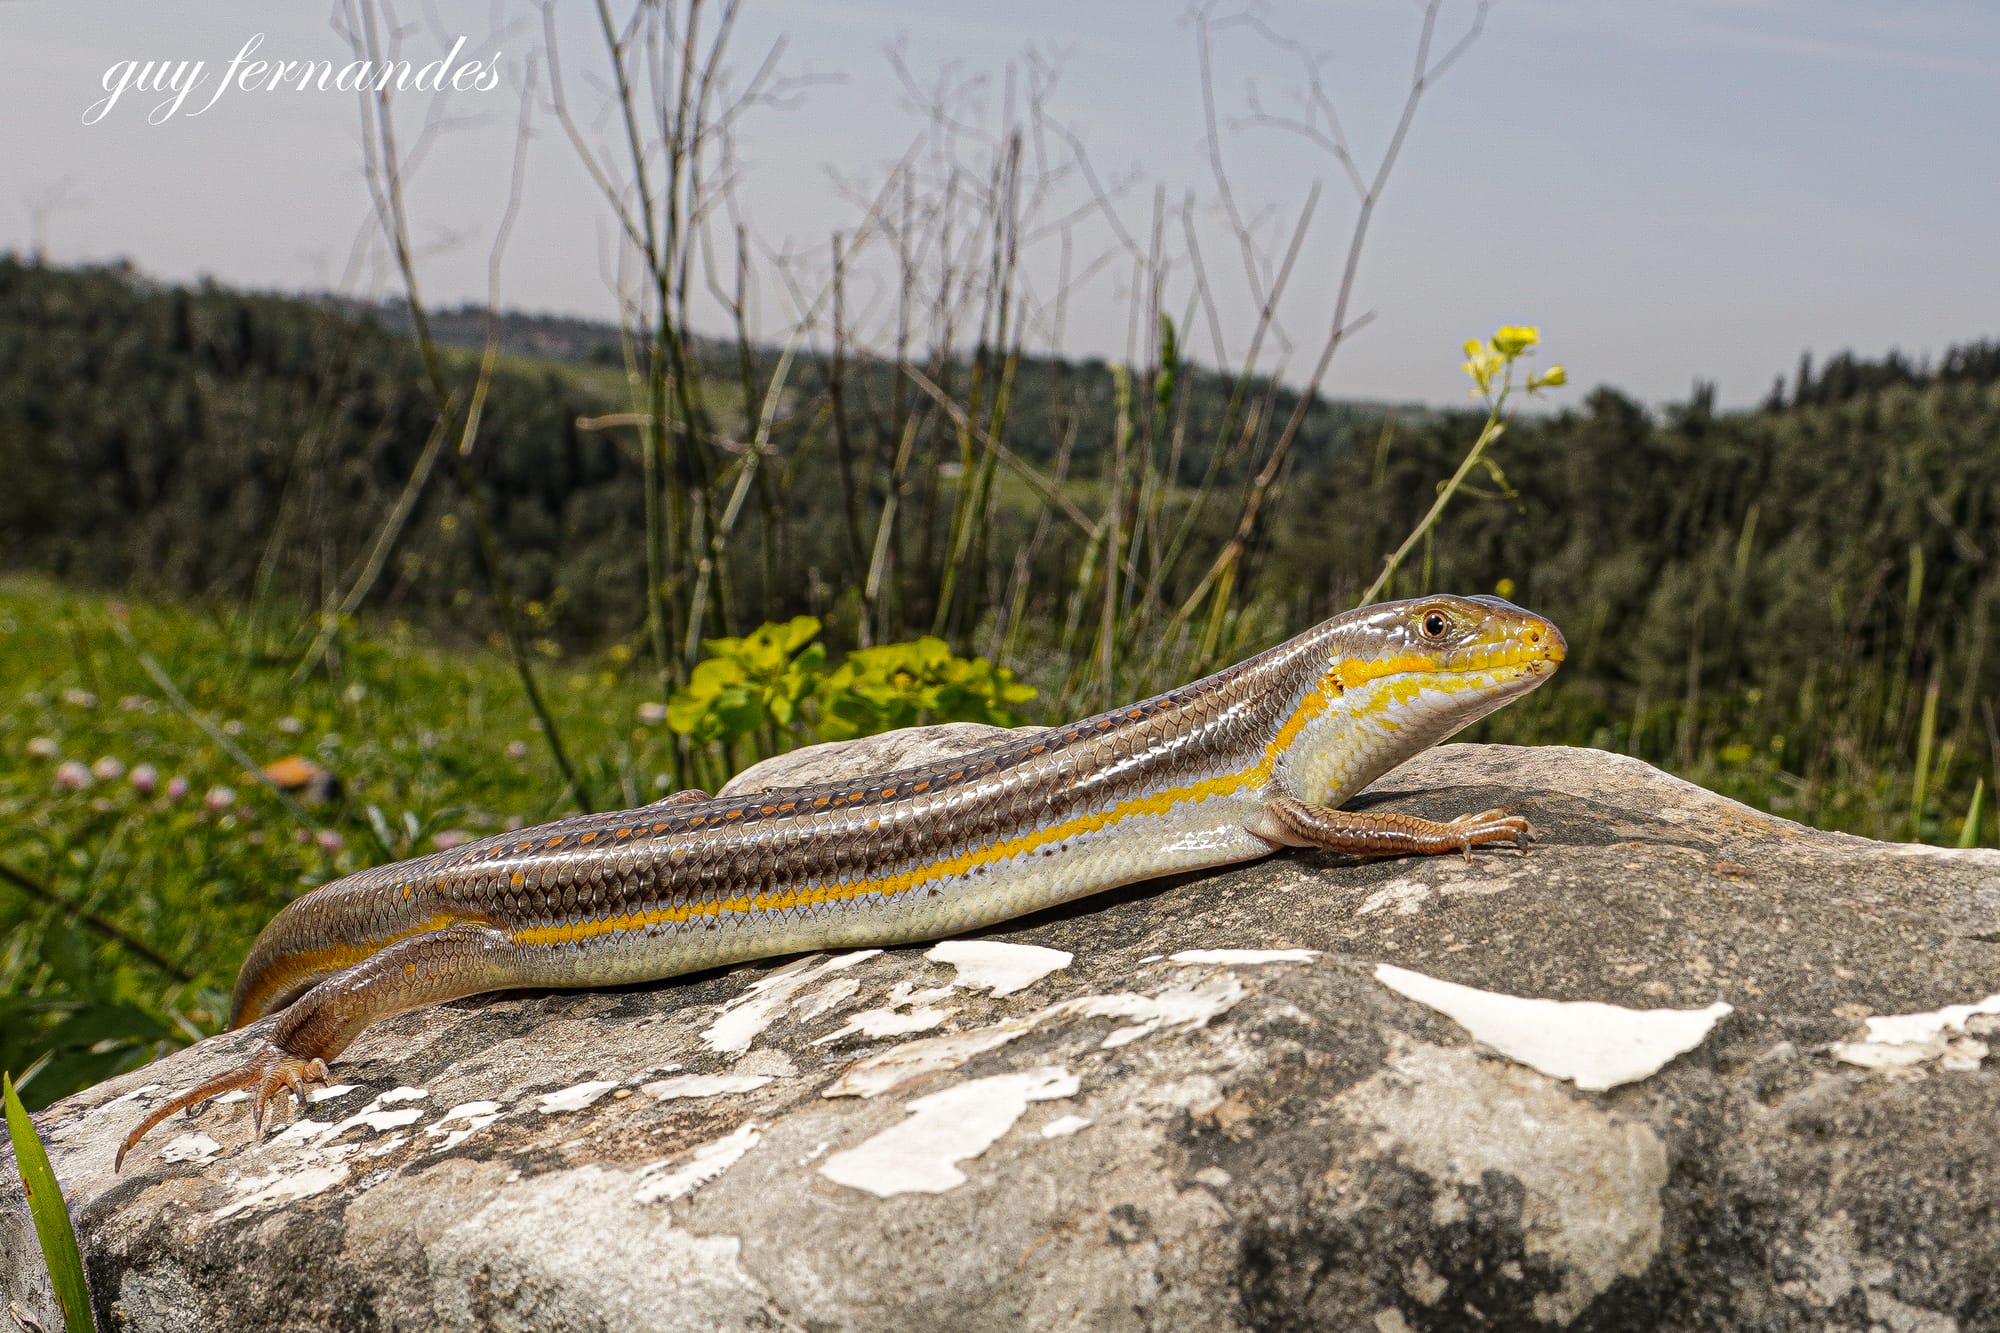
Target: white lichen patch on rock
[373, 1116]
[704, 1085]
[1177, 1006]
[122, 1098]
[1595, 1046]
[907, 1009]
[281, 1187]
[996, 966]
[190, 1147]
[888, 1022]
[574, 1098]
[1242, 957]
[1952, 1036]
[1065, 1125]
[461, 1122]
[765, 999]
[876, 1074]
[920, 1154]
[1404, 895]
[681, 1175]
[1590, 1180]
[830, 996]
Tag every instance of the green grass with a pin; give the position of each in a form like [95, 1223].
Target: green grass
[425, 743]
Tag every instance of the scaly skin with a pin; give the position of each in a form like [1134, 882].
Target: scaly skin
[1230, 768]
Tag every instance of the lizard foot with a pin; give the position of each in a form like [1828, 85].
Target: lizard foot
[270, 1072]
[1489, 827]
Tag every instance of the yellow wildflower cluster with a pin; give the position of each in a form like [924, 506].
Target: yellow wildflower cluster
[1490, 363]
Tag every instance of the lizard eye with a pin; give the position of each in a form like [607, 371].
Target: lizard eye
[1434, 625]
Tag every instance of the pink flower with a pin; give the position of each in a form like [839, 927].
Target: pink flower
[329, 841]
[515, 749]
[144, 778]
[177, 787]
[43, 747]
[447, 839]
[110, 768]
[72, 776]
[219, 799]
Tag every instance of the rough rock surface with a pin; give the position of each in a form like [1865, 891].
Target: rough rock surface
[1215, 1113]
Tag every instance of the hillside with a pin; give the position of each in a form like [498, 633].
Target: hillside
[1794, 603]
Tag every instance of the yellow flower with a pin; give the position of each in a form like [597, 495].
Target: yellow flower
[1483, 366]
[1552, 378]
[1510, 340]
[1504, 588]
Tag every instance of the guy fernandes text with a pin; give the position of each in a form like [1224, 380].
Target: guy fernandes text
[179, 82]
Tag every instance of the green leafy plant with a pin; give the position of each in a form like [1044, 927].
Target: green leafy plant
[773, 689]
[750, 684]
[906, 684]
[45, 1204]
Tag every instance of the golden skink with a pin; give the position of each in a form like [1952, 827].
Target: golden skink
[1232, 767]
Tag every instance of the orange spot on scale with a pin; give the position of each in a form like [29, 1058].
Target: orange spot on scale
[588, 838]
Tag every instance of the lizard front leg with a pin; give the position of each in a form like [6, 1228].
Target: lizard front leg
[1290, 822]
[421, 970]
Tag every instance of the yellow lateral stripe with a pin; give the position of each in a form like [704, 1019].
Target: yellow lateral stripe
[1343, 676]
[889, 885]
[330, 959]
[1156, 803]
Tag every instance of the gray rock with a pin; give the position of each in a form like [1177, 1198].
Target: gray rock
[1260, 1134]
[910, 747]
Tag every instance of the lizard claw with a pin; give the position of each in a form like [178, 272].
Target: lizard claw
[285, 1072]
[269, 1071]
[1491, 826]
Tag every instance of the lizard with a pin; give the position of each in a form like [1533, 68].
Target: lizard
[1236, 766]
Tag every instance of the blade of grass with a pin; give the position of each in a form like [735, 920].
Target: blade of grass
[52, 1224]
[1926, 738]
[1968, 836]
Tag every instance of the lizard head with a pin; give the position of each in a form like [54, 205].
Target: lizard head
[1401, 676]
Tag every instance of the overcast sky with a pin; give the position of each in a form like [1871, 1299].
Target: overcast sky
[1670, 190]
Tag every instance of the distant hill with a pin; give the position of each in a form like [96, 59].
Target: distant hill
[545, 337]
